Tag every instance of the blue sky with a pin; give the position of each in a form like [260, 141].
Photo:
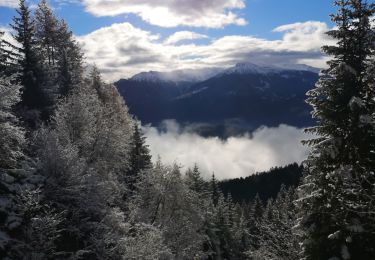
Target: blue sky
[203, 33]
[262, 17]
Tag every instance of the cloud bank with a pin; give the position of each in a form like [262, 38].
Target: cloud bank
[8, 3]
[122, 50]
[231, 158]
[173, 13]
[184, 35]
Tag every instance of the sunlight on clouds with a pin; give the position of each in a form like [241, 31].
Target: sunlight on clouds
[311, 33]
[184, 35]
[9, 3]
[122, 50]
[172, 13]
[231, 158]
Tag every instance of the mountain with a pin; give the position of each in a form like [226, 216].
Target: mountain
[177, 76]
[235, 100]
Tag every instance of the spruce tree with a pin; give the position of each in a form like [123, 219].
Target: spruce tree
[33, 97]
[214, 190]
[337, 194]
[195, 181]
[254, 222]
[28, 227]
[70, 60]
[46, 25]
[140, 158]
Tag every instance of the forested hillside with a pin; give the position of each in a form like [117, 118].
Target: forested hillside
[264, 184]
[77, 180]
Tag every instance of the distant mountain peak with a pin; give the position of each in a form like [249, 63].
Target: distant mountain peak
[248, 67]
[199, 75]
[151, 76]
[177, 76]
[252, 68]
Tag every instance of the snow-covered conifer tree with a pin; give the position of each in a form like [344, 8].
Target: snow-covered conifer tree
[336, 197]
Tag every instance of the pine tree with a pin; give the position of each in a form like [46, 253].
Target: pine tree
[254, 222]
[11, 150]
[214, 190]
[46, 25]
[140, 158]
[277, 238]
[336, 195]
[195, 181]
[70, 60]
[28, 227]
[83, 155]
[61, 54]
[33, 97]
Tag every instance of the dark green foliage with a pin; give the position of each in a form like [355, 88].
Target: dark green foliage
[214, 190]
[337, 192]
[50, 62]
[266, 184]
[195, 180]
[69, 63]
[140, 158]
[31, 72]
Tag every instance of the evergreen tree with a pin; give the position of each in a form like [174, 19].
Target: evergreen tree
[70, 60]
[28, 227]
[61, 55]
[195, 181]
[11, 141]
[337, 193]
[33, 97]
[46, 33]
[277, 238]
[164, 200]
[83, 154]
[255, 217]
[140, 158]
[214, 190]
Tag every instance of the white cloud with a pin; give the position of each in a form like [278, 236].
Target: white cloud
[8, 3]
[184, 35]
[122, 50]
[231, 158]
[172, 13]
[311, 33]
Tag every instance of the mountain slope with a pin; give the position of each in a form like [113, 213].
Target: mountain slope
[247, 94]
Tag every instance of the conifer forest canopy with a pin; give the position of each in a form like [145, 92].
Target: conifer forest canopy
[78, 179]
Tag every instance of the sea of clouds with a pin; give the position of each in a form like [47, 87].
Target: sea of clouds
[233, 157]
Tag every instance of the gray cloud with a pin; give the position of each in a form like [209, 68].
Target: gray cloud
[129, 50]
[231, 158]
[172, 13]
[184, 35]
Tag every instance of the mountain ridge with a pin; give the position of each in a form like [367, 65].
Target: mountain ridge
[245, 97]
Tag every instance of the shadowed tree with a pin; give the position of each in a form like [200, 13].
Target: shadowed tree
[337, 195]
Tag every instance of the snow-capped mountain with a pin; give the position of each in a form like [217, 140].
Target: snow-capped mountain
[252, 95]
[177, 76]
[251, 68]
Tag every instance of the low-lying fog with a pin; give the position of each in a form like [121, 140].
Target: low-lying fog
[234, 157]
